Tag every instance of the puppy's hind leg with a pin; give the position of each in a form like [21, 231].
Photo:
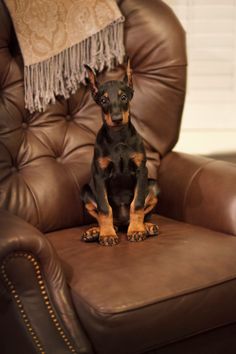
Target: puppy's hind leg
[150, 203]
[92, 234]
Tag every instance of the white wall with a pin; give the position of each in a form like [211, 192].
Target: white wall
[209, 119]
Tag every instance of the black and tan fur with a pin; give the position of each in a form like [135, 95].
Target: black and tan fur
[119, 193]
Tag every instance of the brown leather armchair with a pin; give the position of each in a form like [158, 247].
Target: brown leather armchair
[170, 294]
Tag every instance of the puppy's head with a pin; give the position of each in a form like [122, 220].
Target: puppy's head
[113, 97]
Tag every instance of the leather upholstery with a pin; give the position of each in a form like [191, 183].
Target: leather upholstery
[204, 191]
[45, 158]
[153, 293]
[168, 295]
[18, 238]
[219, 341]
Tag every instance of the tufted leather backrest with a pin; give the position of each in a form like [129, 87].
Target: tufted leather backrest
[45, 157]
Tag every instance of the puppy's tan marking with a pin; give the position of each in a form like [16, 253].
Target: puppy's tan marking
[152, 229]
[108, 120]
[104, 162]
[136, 229]
[108, 236]
[125, 116]
[150, 204]
[138, 158]
[92, 209]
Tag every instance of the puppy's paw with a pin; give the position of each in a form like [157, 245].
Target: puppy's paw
[152, 229]
[91, 235]
[137, 236]
[108, 240]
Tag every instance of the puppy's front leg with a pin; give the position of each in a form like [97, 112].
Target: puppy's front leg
[136, 229]
[107, 235]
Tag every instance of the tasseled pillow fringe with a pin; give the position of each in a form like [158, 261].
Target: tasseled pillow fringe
[62, 74]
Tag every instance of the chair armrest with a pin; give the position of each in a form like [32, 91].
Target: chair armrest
[29, 265]
[199, 191]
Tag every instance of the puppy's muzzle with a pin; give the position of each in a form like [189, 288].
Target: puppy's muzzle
[117, 118]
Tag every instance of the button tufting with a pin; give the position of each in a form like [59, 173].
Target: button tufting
[58, 159]
[14, 169]
[68, 117]
[24, 125]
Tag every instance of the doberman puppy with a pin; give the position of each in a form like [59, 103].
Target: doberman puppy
[119, 192]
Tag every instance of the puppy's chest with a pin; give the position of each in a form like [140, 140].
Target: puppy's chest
[122, 160]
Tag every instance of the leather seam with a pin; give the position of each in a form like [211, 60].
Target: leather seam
[184, 292]
[184, 65]
[189, 185]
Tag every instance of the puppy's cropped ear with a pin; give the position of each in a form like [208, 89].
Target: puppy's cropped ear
[91, 80]
[128, 76]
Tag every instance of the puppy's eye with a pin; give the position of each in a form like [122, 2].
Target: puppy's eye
[123, 98]
[103, 100]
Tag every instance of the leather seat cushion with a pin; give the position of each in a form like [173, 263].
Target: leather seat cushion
[137, 296]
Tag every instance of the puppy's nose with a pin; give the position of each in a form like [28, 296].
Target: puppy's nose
[116, 118]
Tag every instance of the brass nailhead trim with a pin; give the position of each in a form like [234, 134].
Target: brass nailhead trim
[44, 294]
[18, 301]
